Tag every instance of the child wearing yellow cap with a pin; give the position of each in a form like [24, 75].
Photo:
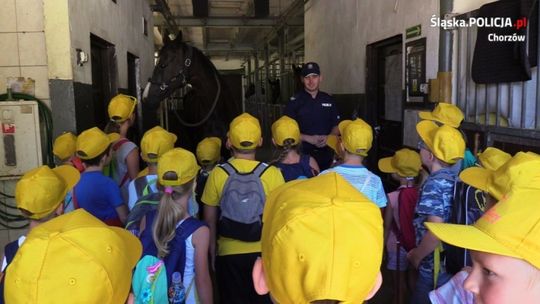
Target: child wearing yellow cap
[170, 228]
[499, 176]
[503, 244]
[96, 193]
[440, 148]
[208, 154]
[154, 143]
[73, 258]
[125, 162]
[322, 242]
[39, 195]
[355, 142]
[293, 165]
[64, 151]
[236, 254]
[404, 167]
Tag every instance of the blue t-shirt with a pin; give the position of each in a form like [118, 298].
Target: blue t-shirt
[98, 194]
[300, 170]
[315, 116]
[364, 181]
[436, 198]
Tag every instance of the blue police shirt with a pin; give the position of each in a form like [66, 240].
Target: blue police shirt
[315, 116]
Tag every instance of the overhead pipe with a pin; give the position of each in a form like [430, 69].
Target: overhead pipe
[444, 74]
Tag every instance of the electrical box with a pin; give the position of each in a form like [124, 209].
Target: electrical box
[20, 142]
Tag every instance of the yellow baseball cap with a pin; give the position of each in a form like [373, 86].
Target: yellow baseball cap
[521, 171]
[177, 167]
[209, 150]
[121, 107]
[93, 142]
[317, 230]
[445, 113]
[445, 142]
[510, 228]
[405, 163]
[356, 135]
[73, 258]
[245, 132]
[64, 146]
[155, 142]
[41, 190]
[285, 128]
[492, 158]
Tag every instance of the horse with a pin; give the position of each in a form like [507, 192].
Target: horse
[195, 93]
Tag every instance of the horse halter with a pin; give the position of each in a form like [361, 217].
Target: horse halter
[181, 77]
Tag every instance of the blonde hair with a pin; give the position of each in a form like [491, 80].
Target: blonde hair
[168, 215]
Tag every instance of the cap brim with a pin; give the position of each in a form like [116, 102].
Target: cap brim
[312, 73]
[476, 177]
[425, 129]
[69, 174]
[426, 115]
[332, 142]
[113, 137]
[385, 165]
[469, 237]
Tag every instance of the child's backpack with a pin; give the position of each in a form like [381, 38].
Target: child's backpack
[242, 203]
[110, 170]
[142, 207]
[405, 233]
[153, 277]
[467, 206]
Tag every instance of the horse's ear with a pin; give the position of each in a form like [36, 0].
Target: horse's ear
[179, 37]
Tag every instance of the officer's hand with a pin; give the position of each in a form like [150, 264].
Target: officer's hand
[321, 141]
[312, 139]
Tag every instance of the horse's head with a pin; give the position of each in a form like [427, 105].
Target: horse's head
[171, 73]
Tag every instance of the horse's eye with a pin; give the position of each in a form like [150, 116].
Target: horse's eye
[162, 65]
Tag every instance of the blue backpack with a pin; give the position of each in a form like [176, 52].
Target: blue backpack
[152, 278]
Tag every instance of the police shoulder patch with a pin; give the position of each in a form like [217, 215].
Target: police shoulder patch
[293, 98]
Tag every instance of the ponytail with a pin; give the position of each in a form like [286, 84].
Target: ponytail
[288, 145]
[169, 213]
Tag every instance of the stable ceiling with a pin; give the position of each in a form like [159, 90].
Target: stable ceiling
[232, 29]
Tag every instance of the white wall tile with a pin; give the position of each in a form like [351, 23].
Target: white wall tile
[29, 15]
[32, 50]
[40, 75]
[8, 21]
[9, 49]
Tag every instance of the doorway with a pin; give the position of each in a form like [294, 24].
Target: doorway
[385, 97]
[104, 78]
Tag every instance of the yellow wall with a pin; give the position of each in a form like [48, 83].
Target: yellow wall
[57, 37]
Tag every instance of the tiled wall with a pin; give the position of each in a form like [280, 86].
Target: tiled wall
[22, 54]
[22, 44]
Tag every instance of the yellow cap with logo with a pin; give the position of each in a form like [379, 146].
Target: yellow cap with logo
[492, 158]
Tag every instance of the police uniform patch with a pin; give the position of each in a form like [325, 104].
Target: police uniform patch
[293, 98]
[326, 104]
[310, 66]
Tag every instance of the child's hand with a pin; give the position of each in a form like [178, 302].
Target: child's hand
[413, 258]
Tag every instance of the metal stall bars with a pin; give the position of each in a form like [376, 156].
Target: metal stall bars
[504, 111]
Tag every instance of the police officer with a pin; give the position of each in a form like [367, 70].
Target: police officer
[316, 114]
